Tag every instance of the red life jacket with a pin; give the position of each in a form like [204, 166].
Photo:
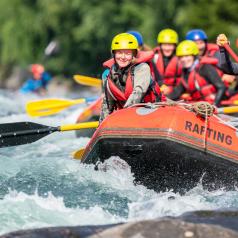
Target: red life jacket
[211, 49]
[210, 52]
[153, 93]
[197, 86]
[170, 75]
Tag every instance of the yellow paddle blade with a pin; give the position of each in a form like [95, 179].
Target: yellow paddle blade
[88, 81]
[78, 154]
[82, 125]
[46, 107]
[228, 110]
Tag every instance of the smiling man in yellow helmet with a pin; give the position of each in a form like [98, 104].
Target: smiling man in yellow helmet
[127, 79]
[165, 60]
[200, 80]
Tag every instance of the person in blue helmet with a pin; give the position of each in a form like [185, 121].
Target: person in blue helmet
[200, 37]
[139, 37]
[38, 81]
[208, 50]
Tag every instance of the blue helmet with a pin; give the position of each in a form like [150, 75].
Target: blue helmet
[196, 34]
[138, 36]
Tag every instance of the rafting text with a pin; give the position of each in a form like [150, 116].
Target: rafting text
[211, 133]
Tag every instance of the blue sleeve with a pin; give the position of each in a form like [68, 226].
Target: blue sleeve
[46, 78]
[104, 75]
[30, 85]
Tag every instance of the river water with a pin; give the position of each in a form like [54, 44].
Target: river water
[41, 185]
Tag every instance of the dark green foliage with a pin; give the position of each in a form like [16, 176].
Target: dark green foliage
[85, 28]
[214, 16]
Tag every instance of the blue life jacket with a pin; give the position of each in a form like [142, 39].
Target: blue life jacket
[33, 85]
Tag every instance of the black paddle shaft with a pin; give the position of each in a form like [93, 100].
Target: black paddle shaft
[19, 133]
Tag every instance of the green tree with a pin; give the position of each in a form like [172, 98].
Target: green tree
[214, 16]
[85, 29]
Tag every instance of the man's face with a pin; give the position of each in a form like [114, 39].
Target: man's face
[201, 46]
[167, 49]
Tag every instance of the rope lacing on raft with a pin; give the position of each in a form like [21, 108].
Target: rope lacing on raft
[202, 109]
[205, 110]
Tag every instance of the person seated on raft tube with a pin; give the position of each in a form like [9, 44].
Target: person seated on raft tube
[38, 81]
[200, 38]
[167, 68]
[208, 50]
[200, 80]
[127, 79]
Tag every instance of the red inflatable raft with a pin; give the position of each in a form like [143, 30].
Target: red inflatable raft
[169, 147]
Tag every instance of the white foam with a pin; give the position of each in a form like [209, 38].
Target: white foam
[22, 211]
[106, 196]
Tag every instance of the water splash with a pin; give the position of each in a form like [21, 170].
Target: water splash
[41, 185]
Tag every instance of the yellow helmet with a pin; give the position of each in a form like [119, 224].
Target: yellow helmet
[124, 41]
[167, 36]
[187, 47]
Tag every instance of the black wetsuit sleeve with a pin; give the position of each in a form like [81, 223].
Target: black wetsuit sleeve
[177, 92]
[225, 63]
[210, 74]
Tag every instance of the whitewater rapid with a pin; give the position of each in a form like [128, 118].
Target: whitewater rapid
[41, 185]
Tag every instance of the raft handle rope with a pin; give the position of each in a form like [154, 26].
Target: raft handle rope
[205, 110]
[202, 109]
